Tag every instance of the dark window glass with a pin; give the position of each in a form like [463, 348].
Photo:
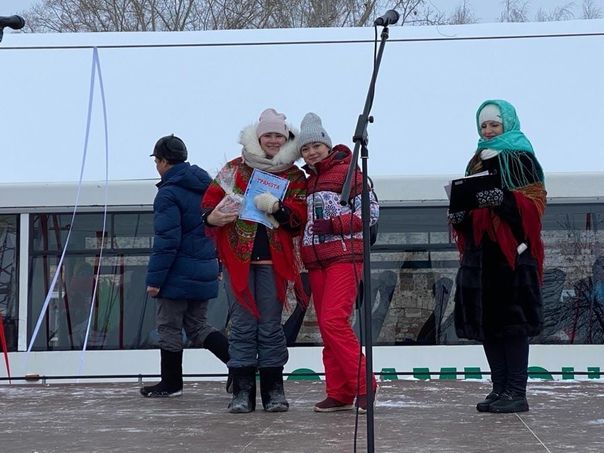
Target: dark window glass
[414, 264]
[122, 317]
[9, 308]
[415, 260]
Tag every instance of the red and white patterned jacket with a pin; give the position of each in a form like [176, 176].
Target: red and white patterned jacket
[324, 183]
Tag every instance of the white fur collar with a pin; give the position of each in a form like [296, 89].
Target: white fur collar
[287, 155]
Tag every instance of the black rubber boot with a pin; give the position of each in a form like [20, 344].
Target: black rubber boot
[244, 390]
[218, 345]
[272, 391]
[483, 406]
[509, 402]
[171, 377]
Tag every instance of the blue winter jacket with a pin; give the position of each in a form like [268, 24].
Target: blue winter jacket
[183, 263]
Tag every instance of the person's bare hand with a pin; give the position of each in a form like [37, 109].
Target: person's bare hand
[218, 218]
[152, 291]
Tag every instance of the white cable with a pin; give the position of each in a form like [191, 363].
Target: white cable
[73, 215]
[533, 433]
[96, 65]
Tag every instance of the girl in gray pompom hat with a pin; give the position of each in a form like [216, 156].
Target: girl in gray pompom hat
[332, 251]
[312, 131]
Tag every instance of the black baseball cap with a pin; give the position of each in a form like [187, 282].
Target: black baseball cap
[171, 148]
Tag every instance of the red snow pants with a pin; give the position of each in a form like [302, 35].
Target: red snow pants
[334, 290]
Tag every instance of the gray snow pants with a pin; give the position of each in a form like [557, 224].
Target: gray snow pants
[252, 341]
[174, 315]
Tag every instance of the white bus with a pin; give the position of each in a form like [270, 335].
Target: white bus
[206, 86]
[413, 266]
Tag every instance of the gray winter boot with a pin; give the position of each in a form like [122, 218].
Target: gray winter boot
[244, 390]
[272, 391]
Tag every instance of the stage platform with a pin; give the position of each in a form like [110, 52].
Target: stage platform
[410, 416]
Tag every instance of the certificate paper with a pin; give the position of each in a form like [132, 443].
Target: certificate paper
[260, 182]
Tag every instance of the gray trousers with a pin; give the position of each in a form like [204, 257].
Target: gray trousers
[252, 341]
[175, 315]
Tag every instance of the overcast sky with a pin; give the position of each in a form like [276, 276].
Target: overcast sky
[428, 91]
[484, 10]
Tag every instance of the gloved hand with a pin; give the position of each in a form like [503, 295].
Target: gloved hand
[455, 218]
[489, 198]
[488, 153]
[274, 222]
[322, 226]
[267, 202]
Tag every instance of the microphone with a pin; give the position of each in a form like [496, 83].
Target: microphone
[390, 18]
[14, 22]
[318, 204]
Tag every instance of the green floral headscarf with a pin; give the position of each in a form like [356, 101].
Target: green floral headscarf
[510, 143]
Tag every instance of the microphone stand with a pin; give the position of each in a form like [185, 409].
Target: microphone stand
[360, 140]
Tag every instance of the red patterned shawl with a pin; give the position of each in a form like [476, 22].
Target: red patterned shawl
[235, 241]
[530, 201]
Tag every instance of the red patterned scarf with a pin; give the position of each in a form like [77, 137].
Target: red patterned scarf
[235, 241]
[530, 201]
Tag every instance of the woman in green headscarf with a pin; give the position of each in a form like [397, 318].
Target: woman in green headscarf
[498, 286]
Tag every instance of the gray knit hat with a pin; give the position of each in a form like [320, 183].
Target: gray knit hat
[311, 131]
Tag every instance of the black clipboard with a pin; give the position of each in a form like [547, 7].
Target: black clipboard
[464, 190]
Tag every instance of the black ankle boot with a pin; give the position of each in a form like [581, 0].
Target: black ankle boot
[509, 402]
[483, 406]
[244, 390]
[272, 391]
[171, 377]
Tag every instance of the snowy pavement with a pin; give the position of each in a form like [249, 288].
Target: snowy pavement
[411, 416]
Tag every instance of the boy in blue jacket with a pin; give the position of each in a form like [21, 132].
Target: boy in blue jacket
[183, 269]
